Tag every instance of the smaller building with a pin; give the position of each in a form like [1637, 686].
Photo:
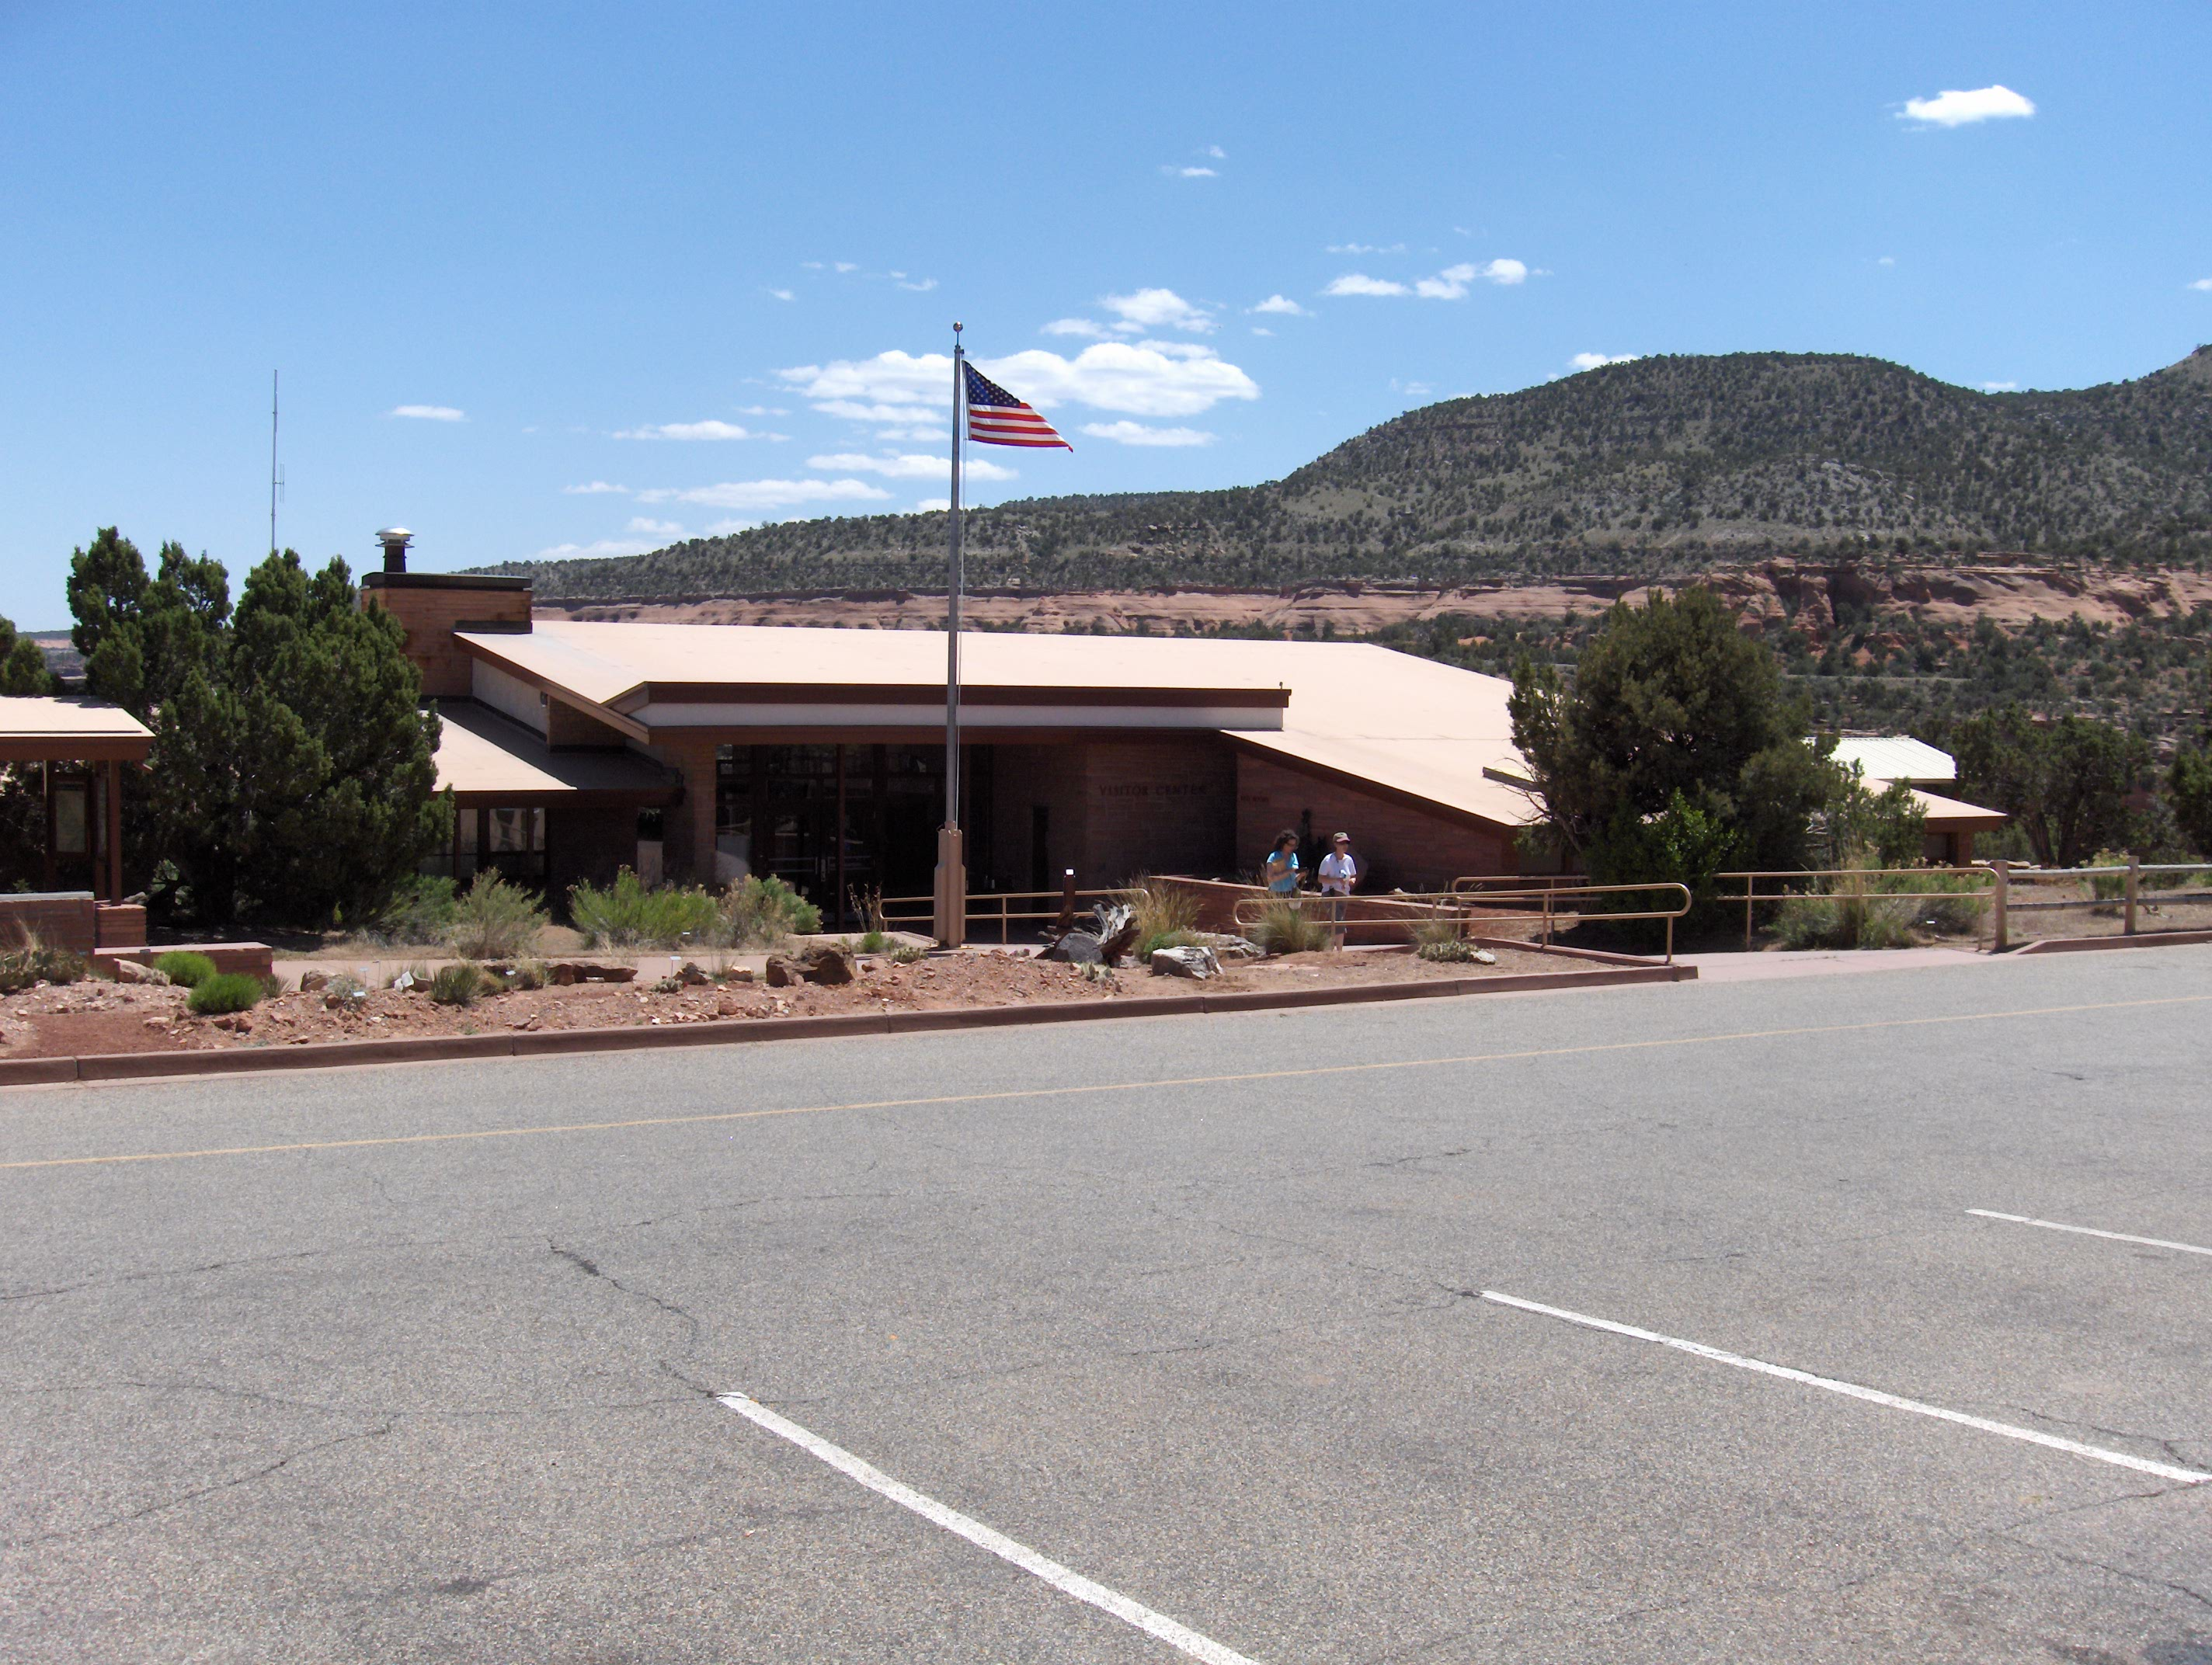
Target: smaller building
[1887, 760]
[77, 748]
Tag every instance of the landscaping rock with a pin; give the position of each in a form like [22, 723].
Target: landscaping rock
[783, 973]
[690, 976]
[1197, 962]
[1076, 948]
[567, 972]
[1235, 948]
[311, 981]
[829, 964]
[130, 971]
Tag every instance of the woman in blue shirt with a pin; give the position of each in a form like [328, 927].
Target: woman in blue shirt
[1282, 869]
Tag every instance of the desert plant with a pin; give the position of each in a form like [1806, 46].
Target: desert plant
[874, 942]
[343, 991]
[765, 911]
[32, 961]
[1166, 918]
[905, 953]
[185, 969]
[530, 974]
[494, 919]
[1285, 927]
[627, 913]
[457, 984]
[421, 910]
[1850, 911]
[226, 991]
[1437, 930]
[1456, 951]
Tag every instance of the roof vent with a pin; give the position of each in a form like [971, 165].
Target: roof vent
[395, 540]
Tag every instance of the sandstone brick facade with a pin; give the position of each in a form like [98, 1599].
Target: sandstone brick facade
[1402, 847]
[431, 606]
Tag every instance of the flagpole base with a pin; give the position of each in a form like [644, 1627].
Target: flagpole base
[949, 920]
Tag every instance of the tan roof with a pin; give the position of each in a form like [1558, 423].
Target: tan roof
[47, 725]
[602, 662]
[1953, 815]
[480, 752]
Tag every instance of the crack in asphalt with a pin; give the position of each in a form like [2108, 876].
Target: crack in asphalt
[197, 1492]
[2174, 1585]
[2171, 1447]
[590, 1268]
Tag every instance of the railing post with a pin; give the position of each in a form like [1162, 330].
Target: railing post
[2134, 876]
[2000, 892]
[1068, 900]
[1750, 889]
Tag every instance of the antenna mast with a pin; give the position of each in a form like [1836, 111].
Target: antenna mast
[275, 479]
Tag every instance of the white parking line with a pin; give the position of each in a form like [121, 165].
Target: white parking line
[1872, 1395]
[1060, 1578]
[2091, 1231]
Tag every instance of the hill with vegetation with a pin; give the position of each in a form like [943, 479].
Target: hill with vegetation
[1661, 467]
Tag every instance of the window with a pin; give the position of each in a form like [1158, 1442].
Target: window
[516, 831]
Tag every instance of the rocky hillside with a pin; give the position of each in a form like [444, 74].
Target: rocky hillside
[1660, 468]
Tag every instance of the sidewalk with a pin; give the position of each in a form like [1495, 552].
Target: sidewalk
[1729, 966]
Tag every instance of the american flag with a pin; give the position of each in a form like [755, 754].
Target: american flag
[997, 418]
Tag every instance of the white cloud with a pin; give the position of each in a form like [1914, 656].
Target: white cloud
[1449, 285]
[1187, 172]
[781, 295]
[596, 489]
[690, 430]
[922, 435]
[844, 266]
[1283, 304]
[763, 410]
[1158, 309]
[1596, 361]
[1999, 387]
[1216, 153]
[1078, 326]
[932, 506]
[1135, 433]
[910, 465]
[1134, 378]
[655, 528]
[428, 412]
[1358, 283]
[2203, 283]
[1262, 329]
[919, 286]
[1953, 108]
[605, 547]
[1366, 248]
[767, 494]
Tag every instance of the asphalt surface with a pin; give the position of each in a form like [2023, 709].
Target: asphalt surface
[1191, 1306]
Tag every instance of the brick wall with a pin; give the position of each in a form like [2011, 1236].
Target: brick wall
[1114, 808]
[57, 918]
[1400, 848]
[688, 826]
[431, 615]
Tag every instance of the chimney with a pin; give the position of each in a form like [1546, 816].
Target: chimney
[395, 540]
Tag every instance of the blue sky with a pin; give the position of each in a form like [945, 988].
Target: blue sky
[545, 278]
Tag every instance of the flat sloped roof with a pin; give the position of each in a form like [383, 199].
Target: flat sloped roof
[481, 752]
[46, 728]
[1896, 757]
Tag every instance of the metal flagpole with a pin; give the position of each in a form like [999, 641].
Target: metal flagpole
[952, 901]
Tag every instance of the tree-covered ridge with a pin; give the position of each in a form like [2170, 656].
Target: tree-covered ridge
[1660, 467]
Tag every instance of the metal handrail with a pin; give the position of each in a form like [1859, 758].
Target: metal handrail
[1752, 897]
[1004, 913]
[1462, 905]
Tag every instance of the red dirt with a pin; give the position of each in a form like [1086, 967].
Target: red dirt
[92, 1019]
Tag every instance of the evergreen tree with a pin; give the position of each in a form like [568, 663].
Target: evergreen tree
[1677, 752]
[291, 773]
[2065, 782]
[23, 796]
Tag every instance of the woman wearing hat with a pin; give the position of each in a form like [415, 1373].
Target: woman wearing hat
[1339, 871]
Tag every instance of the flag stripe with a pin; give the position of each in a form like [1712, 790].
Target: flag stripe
[997, 418]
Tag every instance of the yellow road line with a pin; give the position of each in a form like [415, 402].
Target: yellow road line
[707, 1118]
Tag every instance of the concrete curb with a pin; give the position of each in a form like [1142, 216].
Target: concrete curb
[2091, 945]
[527, 1043]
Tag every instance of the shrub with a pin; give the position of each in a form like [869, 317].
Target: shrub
[627, 915]
[494, 919]
[186, 971]
[1859, 916]
[421, 910]
[343, 991]
[905, 953]
[226, 991]
[1455, 951]
[32, 962]
[874, 942]
[457, 984]
[1165, 918]
[1437, 931]
[765, 911]
[1285, 927]
[531, 973]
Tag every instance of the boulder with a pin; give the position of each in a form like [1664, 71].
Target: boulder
[311, 981]
[691, 976]
[829, 964]
[1235, 948]
[1197, 962]
[783, 971]
[130, 971]
[566, 972]
[1076, 948]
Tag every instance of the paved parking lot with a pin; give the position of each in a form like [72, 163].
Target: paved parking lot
[1833, 1318]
